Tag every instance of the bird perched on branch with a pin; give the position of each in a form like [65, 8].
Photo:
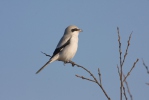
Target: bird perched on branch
[67, 46]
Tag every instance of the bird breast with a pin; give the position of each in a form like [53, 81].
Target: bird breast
[70, 50]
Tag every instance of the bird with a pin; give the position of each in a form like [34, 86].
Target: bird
[67, 46]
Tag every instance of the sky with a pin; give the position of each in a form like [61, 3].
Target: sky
[28, 27]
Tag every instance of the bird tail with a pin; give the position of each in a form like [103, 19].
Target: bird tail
[43, 66]
[50, 61]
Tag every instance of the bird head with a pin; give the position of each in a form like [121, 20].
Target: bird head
[72, 29]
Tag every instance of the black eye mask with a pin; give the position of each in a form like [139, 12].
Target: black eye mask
[75, 29]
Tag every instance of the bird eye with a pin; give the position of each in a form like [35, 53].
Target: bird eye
[75, 29]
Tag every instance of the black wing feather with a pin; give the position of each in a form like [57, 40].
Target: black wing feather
[57, 50]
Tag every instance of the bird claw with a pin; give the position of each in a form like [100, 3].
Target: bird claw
[72, 63]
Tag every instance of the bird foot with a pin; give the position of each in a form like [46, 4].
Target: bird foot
[72, 63]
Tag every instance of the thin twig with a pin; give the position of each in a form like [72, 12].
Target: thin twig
[95, 80]
[126, 86]
[85, 78]
[121, 68]
[145, 66]
[99, 76]
[118, 70]
[126, 52]
[46, 54]
[124, 93]
[128, 90]
[123, 86]
[119, 41]
[131, 69]
[74, 64]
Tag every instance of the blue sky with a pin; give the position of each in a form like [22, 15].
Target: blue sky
[30, 26]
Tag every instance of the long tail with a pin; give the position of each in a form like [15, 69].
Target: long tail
[43, 66]
[52, 59]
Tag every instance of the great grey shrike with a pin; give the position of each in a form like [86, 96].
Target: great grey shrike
[67, 46]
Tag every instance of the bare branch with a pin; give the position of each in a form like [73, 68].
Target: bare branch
[46, 54]
[120, 80]
[85, 78]
[99, 76]
[145, 66]
[95, 80]
[131, 69]
[124, 93]
[121, 68]
[128, 90]
[119, 41]
[118, 70]
[74, 64]
[126, 52]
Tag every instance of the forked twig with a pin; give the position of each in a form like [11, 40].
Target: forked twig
[128, 90]
[46, 54]
[82, 77]
[85, 78]
[124, 93]
[120, 71]
[74, 64]
[131, 69]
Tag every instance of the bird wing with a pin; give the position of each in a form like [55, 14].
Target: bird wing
[57, 50]
[62, 44]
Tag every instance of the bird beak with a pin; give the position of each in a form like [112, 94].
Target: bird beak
[80, 30]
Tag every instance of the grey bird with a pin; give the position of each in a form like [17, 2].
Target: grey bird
[67, 46]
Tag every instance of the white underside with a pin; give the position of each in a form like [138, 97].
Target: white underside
[68, 52]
